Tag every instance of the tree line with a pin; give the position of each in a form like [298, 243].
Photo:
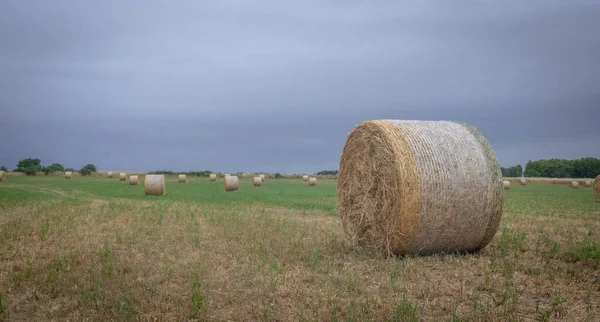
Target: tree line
[556, 168]
[30, 166]
[552, 168]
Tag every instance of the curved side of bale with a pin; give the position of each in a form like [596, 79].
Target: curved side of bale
[573, 184]
[182, 178]
[305, 178]
[154, 185]
[403, 188]
[68, 174]
[312, 181]
[212, 177]
[109, 174]
[2, 175]
[123, 176]
[506, 184]
[257, 181]
[134, 180]
[596, 188]
[262, 177]
[232, 183]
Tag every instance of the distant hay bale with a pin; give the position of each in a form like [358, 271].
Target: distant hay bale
[506, 184]
[2, 175]
[109, 174]
[312, 181]
[262, 177]
[305, 178]
[68, 174]
[212, 177]
[232, 183]
[257, 181]
[226, 175]
[587, 183]
[154, 185]
[523, 181]
[573, 184]
[596, 188]
[123, 176]
[182, 178]
[134, 180]
[407, 187]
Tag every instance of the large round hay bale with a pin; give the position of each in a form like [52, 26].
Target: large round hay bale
[257, 181]
[573, 184]
[523, 181]
[419, 187]
[182, 178]
[133, 180]
[312, 181]
[506, 184]
[596, 188]
[123, 176]
[68, 175]
[232, 183]
[109, 174]
[212, 177]
[262, 177]
[154, 185]
[305, 178]
[2, 175]
[587, 183]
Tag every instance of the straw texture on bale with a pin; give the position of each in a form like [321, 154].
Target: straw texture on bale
[133, 180]
[2, 175]
[182, 178]
[409, 187]
[312, 181]
[573, 184]
[68, 174]
[587, 183]
[262, 177]
[123, 176]
[232, 183]
[305, 178]
[523, 181]
[506, 184]
[109, 174]
[596, 188]
[212, 177]
[154, 185]
[257, 181]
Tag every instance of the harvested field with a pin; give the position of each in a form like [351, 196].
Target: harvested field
[94, 249]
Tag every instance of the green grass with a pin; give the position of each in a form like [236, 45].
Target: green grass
[275, 192]
[550, 199]
[97, 249]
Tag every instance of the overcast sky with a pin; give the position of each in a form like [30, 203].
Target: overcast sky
[277, 85]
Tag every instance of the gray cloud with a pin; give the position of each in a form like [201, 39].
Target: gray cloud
[276, 86]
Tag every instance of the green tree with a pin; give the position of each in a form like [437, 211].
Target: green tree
[56, 167]
[3, 168]
[28, 164]
[561, 168]
[514, 171]
[88, 169]
[30, 171]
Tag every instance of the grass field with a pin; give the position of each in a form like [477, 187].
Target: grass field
[98, 249]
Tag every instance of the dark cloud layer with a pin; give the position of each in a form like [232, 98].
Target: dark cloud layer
[276, 86]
